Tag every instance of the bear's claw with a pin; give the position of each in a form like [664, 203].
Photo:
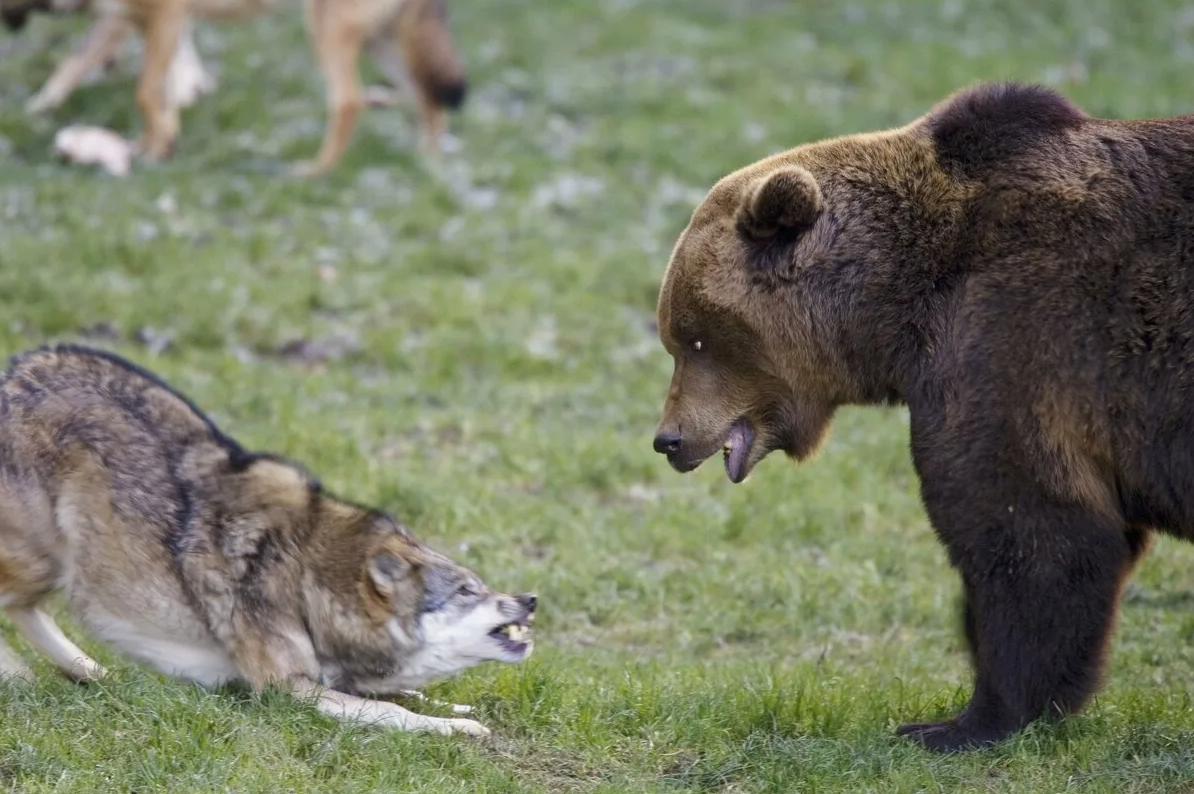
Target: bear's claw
[949, 736]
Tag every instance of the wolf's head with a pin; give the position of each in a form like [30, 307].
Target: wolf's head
[386, 613]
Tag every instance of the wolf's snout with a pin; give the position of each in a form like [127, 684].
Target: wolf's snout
[667, 442]
[527, 601]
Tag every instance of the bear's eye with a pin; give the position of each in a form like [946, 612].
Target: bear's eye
[698, 345]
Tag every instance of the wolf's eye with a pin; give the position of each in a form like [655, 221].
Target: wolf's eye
[698, 345]
[466, 590]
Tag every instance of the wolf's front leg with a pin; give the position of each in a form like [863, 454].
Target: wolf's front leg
[44, 634]
[379, 712]
[419, 696]
[11, 666]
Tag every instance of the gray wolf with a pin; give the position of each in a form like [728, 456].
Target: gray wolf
[182, 550]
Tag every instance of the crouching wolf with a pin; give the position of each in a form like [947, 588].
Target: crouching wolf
[211, 563]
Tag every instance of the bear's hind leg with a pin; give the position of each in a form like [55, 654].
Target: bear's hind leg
[1042, 585]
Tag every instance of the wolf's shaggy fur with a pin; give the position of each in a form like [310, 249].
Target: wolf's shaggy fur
[211, 563]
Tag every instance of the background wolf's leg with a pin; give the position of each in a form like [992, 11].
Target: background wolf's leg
[337, 41]
[164, 26]
[107, 33]
[388, 59]
[43, 633]
[436, 71]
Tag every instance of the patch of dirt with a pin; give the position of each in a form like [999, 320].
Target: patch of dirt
[154, 340]
[318, 350]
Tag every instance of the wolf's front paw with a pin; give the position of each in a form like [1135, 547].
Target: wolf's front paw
[85, 670]
[468, 727]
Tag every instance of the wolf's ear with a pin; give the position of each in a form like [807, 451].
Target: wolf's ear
[786, 199]
[387, 573]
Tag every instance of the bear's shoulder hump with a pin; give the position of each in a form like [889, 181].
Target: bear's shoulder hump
[992, 122]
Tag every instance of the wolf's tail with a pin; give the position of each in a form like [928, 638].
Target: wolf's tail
[431, 54]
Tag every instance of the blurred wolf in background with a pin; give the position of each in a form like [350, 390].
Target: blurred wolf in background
[408, 40]
[15, 13]
[186, 82]
[211, 563]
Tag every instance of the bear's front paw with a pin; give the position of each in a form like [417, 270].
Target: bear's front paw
[949, 736]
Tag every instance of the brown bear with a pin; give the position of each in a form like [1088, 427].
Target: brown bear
[1020, 275]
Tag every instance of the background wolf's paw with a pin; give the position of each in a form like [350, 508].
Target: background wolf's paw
[307, 169]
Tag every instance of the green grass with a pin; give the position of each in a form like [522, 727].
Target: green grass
[492, 377]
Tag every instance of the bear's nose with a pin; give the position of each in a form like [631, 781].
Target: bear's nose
[528, 601]
[667, 443]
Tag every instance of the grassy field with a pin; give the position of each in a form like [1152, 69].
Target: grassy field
[470, 344]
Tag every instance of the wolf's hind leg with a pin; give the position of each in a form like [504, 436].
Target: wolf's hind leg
[11, 665]
[43, 633]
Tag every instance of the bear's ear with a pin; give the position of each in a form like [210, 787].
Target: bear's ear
[786, 199]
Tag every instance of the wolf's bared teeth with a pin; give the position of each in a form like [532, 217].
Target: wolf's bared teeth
[516, 632]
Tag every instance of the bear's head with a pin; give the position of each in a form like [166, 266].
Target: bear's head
[782, 299]
[734, 386]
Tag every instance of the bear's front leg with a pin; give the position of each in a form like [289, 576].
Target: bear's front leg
[1042, 580]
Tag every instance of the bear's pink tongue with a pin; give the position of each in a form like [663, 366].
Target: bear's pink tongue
[741, 437]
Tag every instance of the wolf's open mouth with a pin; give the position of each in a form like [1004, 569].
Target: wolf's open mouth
[514, 636]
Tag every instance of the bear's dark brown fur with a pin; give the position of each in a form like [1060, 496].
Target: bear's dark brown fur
[1021, 276]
